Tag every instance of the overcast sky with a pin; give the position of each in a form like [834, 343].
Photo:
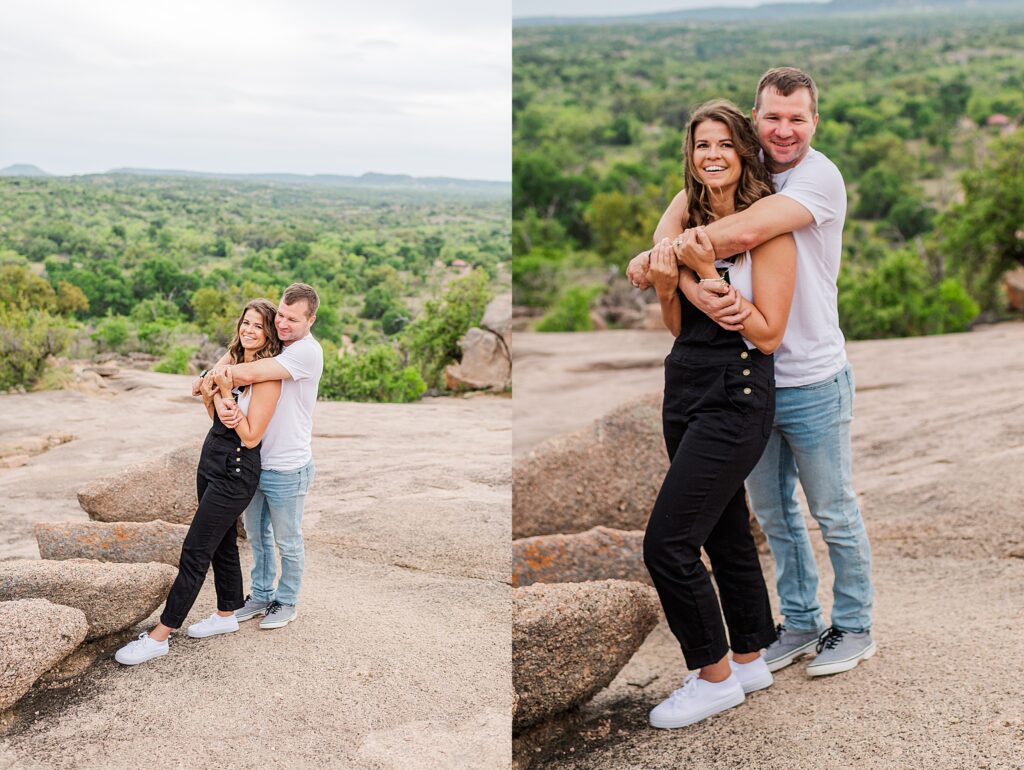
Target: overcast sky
[304, 86]
[524, 8]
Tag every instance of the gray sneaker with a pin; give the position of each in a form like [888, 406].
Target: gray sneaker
[251, 609]
[840, 651]
[789, 646]
[278, 615]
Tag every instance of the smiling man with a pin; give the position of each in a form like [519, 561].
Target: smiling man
[810, 438]
[274, 515]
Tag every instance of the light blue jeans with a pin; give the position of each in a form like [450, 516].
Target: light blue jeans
[810, 441]
[275, 516]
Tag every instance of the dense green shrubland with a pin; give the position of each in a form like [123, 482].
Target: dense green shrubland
[162, 266]
[598, 112]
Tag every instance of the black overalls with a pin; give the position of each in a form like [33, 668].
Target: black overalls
[225, 481]
[717, 415]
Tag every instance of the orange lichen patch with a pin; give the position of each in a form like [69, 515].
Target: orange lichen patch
[537, 556]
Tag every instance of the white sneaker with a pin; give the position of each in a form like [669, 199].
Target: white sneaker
[753, 675]
[142, 649]
[213, 625]
[697, 699]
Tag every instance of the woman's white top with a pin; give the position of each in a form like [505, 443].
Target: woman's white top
[244, 399]
[741, 276]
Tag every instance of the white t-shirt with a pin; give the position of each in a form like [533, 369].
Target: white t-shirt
[813, 347]
[288, 438]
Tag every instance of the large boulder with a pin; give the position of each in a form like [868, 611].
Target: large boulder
[134, 541]
[498, 317]
[569, 640]
[1013, 282]
[608, 474]
[37, 635]
[160, 488]
[112, 596]
[597, 554]
[485, 365]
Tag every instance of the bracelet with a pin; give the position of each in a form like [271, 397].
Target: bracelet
[711, 280]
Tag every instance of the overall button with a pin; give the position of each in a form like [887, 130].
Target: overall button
[238, 449]
[744, 355]
[746, 372]
[238, 470]
[746, 391]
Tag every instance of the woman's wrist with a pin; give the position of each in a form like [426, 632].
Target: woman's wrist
[665, 294]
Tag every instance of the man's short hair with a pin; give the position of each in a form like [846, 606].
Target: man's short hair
[786, 80]
[298, 291]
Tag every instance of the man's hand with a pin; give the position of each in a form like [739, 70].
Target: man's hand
[197, 385]
[723, 309]
[694, 250]
[228, 412]
[637, 270]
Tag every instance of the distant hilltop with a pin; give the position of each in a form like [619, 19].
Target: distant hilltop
[775, 11]
[23, 169]
[332, 180]
[368, 180]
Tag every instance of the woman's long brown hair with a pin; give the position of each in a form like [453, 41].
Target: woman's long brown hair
[268, 312]
[755, 180]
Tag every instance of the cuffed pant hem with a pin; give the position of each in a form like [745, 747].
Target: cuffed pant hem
[230, 606]
[704, 656]
[755, 643]
[850, 630]
[170, 622]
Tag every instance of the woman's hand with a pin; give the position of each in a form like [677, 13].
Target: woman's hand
[663, 272]
[694, 250]
[222, 376]
[207, 388]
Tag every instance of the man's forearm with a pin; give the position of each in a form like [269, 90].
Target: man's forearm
[258, 371]
[764, 220]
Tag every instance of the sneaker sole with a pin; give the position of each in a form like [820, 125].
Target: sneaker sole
[670, 724]
[278, 623]
[212, 633]
[250, 616]
[841, 665]
[788, 660]
[760, 684]
[137, 662]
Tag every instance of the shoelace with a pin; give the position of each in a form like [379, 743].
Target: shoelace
[273, 607]
[689, 688]
[142, 640]
[829, 639]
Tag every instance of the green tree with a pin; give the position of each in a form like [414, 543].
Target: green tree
[377, 302]
[898, 298]
[984, 235]
[433, 338]
[113, 332]
[376, 374]
[28, 338]
[572, 311]
[22, 289]
[71, 299]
